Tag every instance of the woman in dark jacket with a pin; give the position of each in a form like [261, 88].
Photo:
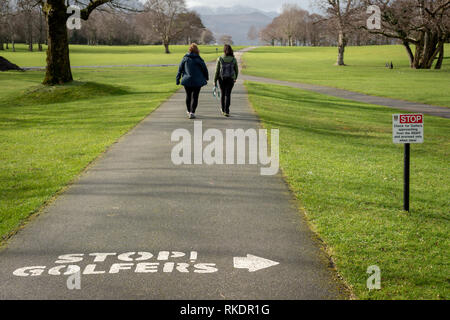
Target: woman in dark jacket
[227, 71]
[194, 75]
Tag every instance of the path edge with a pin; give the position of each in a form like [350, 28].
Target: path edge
[325, 249]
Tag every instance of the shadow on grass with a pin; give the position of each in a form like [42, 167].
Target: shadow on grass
[313, 101]
[73, 91]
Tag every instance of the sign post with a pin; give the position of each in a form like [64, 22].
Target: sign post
[407, 129]
[406, 172]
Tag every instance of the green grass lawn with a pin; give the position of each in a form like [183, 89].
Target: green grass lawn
[339, 159]
[110, 55]
[365, 71]
[49, 135]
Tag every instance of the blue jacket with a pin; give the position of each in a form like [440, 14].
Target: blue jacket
[193, 70]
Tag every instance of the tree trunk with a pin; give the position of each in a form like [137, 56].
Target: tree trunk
[13, 46]
[410, 54]
[30, 35]
[432, 50]
[436, 49]
[426, 51]
[1, 46]
[41, 29]
[166, 47]
[440, 58]
[342, 42]
[417, 55]
[58, 63]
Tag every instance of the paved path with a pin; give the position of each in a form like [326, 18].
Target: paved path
[360, 97]
[133, 199]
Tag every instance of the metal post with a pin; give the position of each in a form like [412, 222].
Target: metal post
[406, 177]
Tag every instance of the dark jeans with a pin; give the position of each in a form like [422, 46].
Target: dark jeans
[192, 94]
[226, 86]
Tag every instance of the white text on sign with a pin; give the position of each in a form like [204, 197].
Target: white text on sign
[407, 128]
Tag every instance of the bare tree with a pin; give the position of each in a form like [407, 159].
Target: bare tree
[342, 15]
[108, 27]
[252, 33]
[292, 23]
[164, 16]
[144, 28]
[226, 39]
[207, 37]
[28, 10]
[192, 27]
[4, 12]
[315, 30]
[422, 23]
[271, 33]
[91, 28]
[12, 23]
[294, 26]
[40, 26]
[172, 23]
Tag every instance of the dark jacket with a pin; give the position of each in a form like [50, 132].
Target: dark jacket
[193, 70]
[227, 59]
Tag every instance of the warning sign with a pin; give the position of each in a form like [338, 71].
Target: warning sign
[407, 128]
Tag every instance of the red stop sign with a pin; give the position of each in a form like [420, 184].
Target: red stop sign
[411, 118]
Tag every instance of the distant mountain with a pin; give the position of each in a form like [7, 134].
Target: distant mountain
[235, 21]
[204, 10]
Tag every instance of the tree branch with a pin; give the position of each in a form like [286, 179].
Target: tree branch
[85, 13]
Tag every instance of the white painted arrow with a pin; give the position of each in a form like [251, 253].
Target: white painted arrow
[253, 263]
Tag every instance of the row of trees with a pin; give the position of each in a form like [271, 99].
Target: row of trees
[21, 21]
[422, 23]
[155, 22]
[112, 27]
[295, 27]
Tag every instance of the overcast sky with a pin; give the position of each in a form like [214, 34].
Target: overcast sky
[266, 5]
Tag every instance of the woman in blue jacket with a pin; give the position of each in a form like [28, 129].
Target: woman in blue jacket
[193, 74]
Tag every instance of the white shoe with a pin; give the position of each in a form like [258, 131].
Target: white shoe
[192, 116]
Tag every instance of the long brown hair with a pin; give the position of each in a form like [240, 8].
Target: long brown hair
[228, 50]
[194, 48]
